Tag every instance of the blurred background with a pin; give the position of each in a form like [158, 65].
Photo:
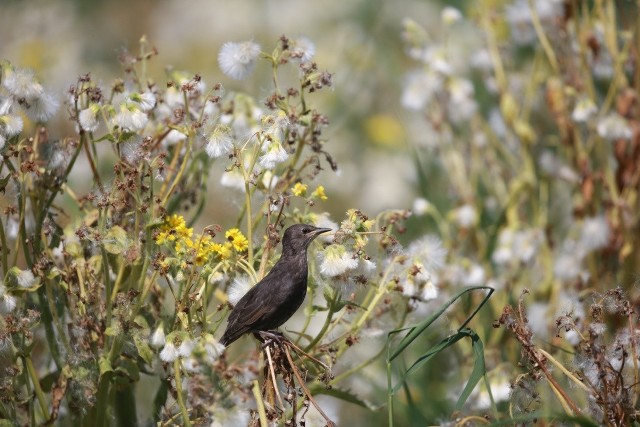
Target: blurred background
[358, 41]
[517, 120]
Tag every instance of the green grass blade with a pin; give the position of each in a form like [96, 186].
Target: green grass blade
[417, 330]
[478, 371]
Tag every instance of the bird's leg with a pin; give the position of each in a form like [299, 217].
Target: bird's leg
[270, 337]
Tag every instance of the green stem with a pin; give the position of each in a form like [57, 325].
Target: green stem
[544, 41]
[5, 252]
[178, 177]
[183, 408]
[107, 284]
[261, 411]
[125, 406]
[98, 417]
[36, 386]
[247, 192]
[326, 324]
[389, 395]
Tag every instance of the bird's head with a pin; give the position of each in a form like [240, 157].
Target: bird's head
[298, 237]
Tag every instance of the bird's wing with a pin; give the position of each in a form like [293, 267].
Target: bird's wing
[247, 312]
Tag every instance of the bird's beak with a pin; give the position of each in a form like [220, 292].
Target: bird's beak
[319, 231]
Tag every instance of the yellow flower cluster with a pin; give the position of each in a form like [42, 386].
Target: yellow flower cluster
[300, 189]
[237, 239]
[200, 247]
[174, 228]
[319, 193]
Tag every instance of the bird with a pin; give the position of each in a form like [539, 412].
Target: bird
[274, 299]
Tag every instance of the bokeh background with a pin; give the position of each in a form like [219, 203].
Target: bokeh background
[492, 153]
[358, 41]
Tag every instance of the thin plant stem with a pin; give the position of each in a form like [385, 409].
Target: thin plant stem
[305, 388]
[180, 395]
[260, 404]
[36, 386]
[273, 376]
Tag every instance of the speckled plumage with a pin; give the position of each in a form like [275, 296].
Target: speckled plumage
[274, 299]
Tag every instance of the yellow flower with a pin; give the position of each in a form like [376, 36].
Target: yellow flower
[161, 238]
[299, 189]
[204, 249]
[319, 193]
[237, 239]
[224, 251]
[174, 228]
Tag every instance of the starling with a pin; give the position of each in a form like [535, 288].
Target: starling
[275, 298]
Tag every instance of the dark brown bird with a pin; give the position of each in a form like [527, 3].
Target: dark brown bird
[280, 293]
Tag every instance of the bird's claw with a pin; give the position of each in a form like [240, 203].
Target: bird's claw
[271, 337]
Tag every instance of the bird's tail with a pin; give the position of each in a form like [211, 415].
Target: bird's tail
[228, 338]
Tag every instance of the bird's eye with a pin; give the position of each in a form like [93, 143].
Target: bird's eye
[306, 230]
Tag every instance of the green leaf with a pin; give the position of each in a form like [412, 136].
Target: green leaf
[433, 351]
[144, 351]
[418, 329]
[329, 294]
[116, 240]
[317, 308]
[16, 280]
[412, 333]
[478, 371]
[344, 395]
[74, 249]
[106, 137]
[105, 365]
[129, 369]
[3, 183]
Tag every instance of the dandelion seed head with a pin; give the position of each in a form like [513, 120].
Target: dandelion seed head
[88, 118]
[595, 233]
[429, 251]
[173, 137]
[219, 142]
[145, 100]
[237, 60]
[419, 89]
[420, 206]
[11, 124]
[157, 339]
[614, 127]
[43, 108]
[475, 276]
[169, 353]
[429, 291]
[466, 216]
[450, 15]
[25, 278]
[186, 347]
[130, 118]
[213, 348]
[21, 83]
[303, 49]
[336, 260]
[584, 110]
[274, 154]
[239, 287]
